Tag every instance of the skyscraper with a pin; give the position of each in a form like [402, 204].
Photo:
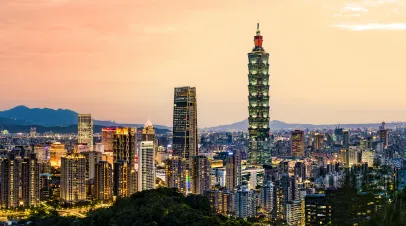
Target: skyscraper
[146, 166]
[317, 211]
[73, 178]
[200, 174]
[177, 176]
[30, 181]
[103, 181]
[56, 152]
[9, 182]
[297, 139]
[245, 203]
[185, 138]
[85, 130]
[295, 213]
[233, 170]
[124, 144]
[319, 142]
[124, 179]
[384, 135]
[258, 109]
[108, 139]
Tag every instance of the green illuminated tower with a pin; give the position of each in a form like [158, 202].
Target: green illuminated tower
[258, 87]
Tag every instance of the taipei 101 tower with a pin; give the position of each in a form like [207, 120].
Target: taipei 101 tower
[258, 99]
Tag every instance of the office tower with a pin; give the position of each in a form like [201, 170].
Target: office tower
[368, 157]
[297, 139]
[200, 174]
[108, 139]
[286, 187]
[30, 183]
[346, 138]
[218, 176]
[266, 200]
[45, 186]
[384, 135]
[245, 203]
[221, 202]
[353, 155]
[177, 176]
[319, 143]
[146, 166]
[92, 158]
[300, 171]
[258, 98]
[104, 181]
[121, 178]
[85, 130]
[9, 182]
[185, 138]
[124, 145]
[344, 157]
[317, 211]
[277, 208]
[233, 170]
[56, 152]
[148, 134]
[73, 178]
[295, 213]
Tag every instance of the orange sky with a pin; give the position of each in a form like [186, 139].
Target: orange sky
[331, 61]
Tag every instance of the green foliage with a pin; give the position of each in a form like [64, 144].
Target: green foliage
[162, 206]
[394, 213]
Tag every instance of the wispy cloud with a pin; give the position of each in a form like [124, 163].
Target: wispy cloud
[372, 26]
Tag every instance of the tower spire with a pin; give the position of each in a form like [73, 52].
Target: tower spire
[258, 37]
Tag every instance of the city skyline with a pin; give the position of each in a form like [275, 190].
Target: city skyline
[338, 62]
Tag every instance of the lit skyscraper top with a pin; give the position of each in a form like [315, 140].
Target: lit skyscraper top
[258, 99]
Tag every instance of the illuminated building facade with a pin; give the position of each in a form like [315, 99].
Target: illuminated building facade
[221, 202]
[317, 211]
[146, 166]
[56, 151]
[30, 183]
[245, 203]
[200, 174]
[9, 182]
[177, 175]
[298, 139]
[108, 139]
[258, 88]
[124, 179]
[384, 135]
[295, 213]
[124, 145]
[319, 142]
[233, 170]
[185, 138]
[85, 130]
[73, 178]
[92, 158]
[104, 181]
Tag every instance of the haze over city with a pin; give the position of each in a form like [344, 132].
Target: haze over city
[330, 61]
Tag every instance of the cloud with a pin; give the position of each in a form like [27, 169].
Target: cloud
[355, 8]
[373, 26]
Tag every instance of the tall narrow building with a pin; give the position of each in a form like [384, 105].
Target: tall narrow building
[185, 138]
[297, 139]
[258, 99]
[146, 166]
[73, 178]
[201, 174]
[104, 181]
[108, 138]
[124, 145]
[9, 181]
[30, 181]
[233, 170]
[85, 130]
[177, 176]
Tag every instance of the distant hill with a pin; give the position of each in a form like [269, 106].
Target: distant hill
[279, 125]
[52, 118]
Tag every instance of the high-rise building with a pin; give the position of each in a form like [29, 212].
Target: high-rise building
[124, 145]
[108, 139]
[384, 135]
[298, 140]
[317, 211]
[104, 181]
[73, 178]
[148, 134]
[200, 174]
[92, 158]
[266, 200]
[56, 151]
[124, 179]
[177, 175]
[185, 138]
[258, 108]
[9, 182]
[85, 130]
[146, 166]
[346, 138]
[300, 171]
[368, 157]
[221, 202]
[42, 153]
[319, 142]
[295, 213]
[30, 183]
[245, 203]
[233, 170]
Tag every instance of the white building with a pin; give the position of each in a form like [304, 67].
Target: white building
[85, 130]
[295, 213]
[146, 166]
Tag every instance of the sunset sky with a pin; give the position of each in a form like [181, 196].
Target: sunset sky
[332, 61]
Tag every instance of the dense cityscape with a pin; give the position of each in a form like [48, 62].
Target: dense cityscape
[260, 175]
